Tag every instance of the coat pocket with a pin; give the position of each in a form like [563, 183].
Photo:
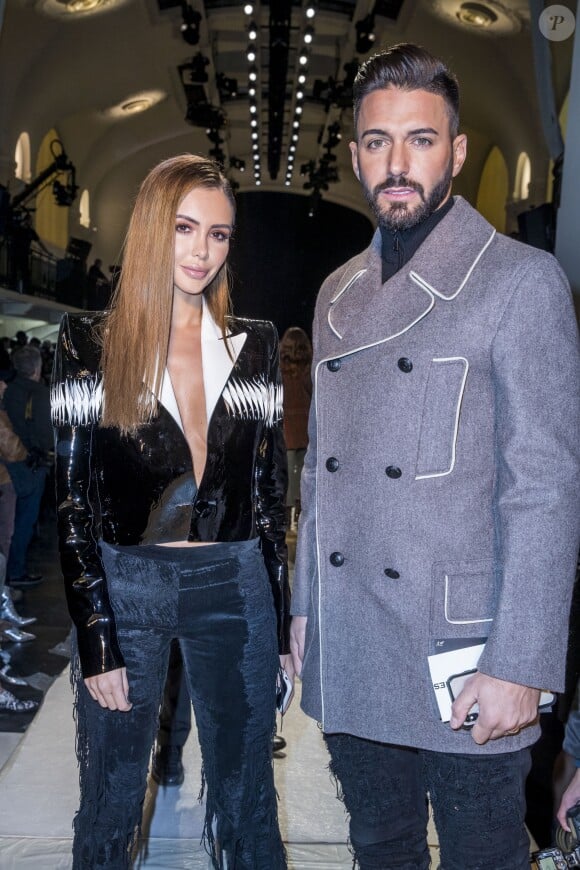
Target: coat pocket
[463, 599]
[440, 418]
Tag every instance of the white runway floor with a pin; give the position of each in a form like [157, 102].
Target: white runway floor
[39, 795]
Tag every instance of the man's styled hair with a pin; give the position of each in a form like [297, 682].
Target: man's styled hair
[135, 333]
[410, 68]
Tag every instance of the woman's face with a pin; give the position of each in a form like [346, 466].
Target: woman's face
[203, 227]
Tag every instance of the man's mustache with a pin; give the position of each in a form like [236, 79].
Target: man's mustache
[399, 181]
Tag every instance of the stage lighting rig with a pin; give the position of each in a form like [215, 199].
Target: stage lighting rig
[190, 26]
[365, 33]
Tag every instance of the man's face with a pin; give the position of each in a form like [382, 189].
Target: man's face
[404, 156]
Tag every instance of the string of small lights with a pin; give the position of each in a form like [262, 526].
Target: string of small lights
[306, 40]
[253, 85]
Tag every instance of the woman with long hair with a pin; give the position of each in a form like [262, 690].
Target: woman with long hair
[171, 477]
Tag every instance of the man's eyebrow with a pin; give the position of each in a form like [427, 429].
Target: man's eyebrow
[418, 132]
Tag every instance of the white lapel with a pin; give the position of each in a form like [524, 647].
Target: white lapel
[217, 366]
[217, 363]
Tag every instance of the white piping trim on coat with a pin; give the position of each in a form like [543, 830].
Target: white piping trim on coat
[317, 537]
[426, 286]
[339, 294]
[459, 621]
[457, 411]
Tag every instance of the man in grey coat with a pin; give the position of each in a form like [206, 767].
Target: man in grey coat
[439, 495]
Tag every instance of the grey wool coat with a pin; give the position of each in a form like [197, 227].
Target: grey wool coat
[440, 491]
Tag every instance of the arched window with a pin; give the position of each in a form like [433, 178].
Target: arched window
[523, 177]
[85, 209]
[22, 158]
[493, 190]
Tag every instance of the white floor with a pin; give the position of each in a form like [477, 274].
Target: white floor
[39, 794]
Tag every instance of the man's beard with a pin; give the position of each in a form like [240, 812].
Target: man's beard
[397, 215]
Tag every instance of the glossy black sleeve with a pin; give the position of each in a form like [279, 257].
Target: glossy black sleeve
[78, 519]
[271, 484]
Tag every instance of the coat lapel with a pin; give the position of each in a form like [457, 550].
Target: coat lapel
[363, 311]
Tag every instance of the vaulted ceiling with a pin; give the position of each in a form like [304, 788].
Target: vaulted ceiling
[126, 83]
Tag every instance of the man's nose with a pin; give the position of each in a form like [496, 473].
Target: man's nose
[398, 159]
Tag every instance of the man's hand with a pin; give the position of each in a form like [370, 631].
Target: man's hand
[110, 690]
[297, 635]
[504, 708]
[569, 799]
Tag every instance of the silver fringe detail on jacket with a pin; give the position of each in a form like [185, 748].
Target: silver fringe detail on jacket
[76, 402]
[255, 399]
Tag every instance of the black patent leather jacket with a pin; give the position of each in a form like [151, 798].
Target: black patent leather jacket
[140, 489]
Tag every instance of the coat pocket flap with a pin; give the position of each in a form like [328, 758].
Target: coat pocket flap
[463, 598]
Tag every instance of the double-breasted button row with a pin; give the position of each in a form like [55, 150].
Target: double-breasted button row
[333, 365]
[405, 364]
[392, 574]
[393, 472]
[336, 559]
[332, 463]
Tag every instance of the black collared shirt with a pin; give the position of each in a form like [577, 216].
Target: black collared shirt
[398, 246]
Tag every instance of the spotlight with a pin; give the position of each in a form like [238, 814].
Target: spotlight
[298, 110]
[308, 34]
[190, 26]
[303, 58]
[292, 148]
[196, 67]
[248, 9]
[254, 135]
[252, 91]
[365, 37]
[253, 30]
[254, 122]
[310, 10]
[253, 108]
[295, 137]
[301, 79]
[253, 73]
[226, 86]
[287, 183]
[251, 53]
[296, 124]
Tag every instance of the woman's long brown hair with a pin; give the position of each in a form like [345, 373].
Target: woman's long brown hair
[134, 334]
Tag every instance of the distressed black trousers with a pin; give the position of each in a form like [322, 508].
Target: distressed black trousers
[217, 601]
[478, 805]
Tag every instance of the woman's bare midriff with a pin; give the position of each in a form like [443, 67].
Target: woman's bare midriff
[188, 544]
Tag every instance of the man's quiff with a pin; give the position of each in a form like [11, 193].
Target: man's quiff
[410, 68]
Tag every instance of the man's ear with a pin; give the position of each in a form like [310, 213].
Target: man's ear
[354, 156]
[459, 153]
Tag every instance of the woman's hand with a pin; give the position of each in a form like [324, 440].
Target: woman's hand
[110, 690]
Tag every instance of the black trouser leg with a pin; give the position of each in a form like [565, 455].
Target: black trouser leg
[175, 713]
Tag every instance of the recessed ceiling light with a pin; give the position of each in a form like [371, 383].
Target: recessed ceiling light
[135, 104]
[476, 14]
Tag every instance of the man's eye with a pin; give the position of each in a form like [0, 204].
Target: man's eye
[423, 142]
[375, 144]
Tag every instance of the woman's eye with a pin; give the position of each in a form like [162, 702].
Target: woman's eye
[221, 237]
[182, 228]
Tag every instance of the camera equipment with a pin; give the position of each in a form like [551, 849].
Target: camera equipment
[566, 853]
